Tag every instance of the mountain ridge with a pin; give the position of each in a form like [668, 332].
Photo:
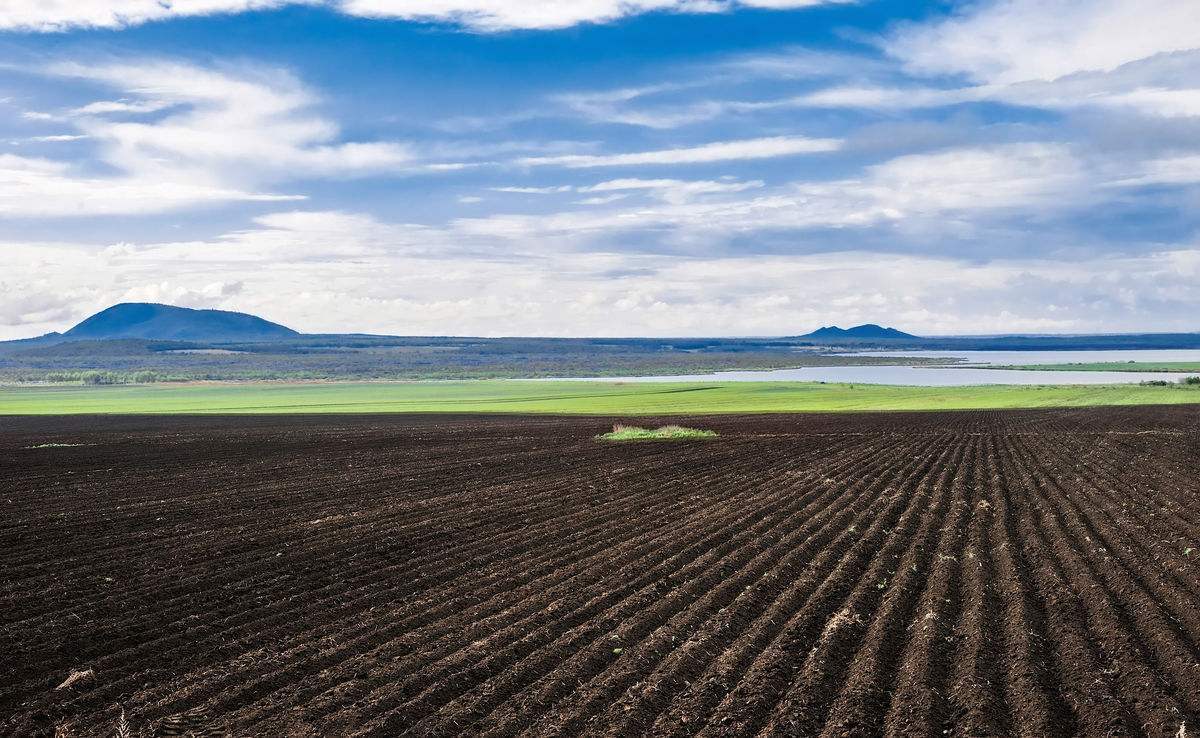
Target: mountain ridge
[866, 331]
[157, 321]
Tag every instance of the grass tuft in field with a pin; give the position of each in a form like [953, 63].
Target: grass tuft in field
[665, 433]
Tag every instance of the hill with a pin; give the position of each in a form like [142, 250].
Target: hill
[167, 322]
[866, 332]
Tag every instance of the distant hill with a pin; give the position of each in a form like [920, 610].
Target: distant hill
[167, 322]
[866, 332]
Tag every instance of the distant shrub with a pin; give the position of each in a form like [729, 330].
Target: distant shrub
[1190, 380]
[96, 378]
[1155, 383]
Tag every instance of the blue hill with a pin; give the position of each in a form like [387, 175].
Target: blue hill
[167, 322]
[867, 332]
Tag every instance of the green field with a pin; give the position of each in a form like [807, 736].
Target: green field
[601, 398]
[1113, 366]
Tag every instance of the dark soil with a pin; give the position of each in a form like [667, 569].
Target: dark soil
[1032, 573]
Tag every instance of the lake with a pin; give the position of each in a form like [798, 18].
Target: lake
[1018, 358]
[925, 376]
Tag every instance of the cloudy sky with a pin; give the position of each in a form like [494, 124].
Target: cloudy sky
[604, 167]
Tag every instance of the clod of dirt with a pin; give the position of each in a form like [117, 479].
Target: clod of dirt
[76, 676]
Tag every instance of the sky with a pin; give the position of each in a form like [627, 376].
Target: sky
[604, 167]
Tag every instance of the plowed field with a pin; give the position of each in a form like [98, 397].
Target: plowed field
[1031, 573]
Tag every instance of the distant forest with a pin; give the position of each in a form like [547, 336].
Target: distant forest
[360, 357]
[123, 361]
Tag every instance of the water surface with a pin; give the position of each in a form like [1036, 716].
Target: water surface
[958, 376]
[1025, 358]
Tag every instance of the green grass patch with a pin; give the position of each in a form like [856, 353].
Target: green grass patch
[580, 398]
[1111, 366]
[665, 433]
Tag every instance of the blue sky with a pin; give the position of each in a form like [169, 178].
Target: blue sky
[651, 167]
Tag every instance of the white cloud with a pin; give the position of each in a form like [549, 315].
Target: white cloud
[394, 284]
[496, 15]
[57, 138]
[503, 15]
[479, 15]
[614, 106]
[673, 190]
[1166, 85]
[248, 122]
[667, 190]
[797, 63]
[1171, 170]
[174, 293]
[1013, 175]
[755, 148]
[1139, 57]
[601, 200]
[226, 135]
[100, 107]
[61, 15]
[1006, 41]
[33, 187]
[916, 191]
[884, 98]
[534, 190]
[1169, 103]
